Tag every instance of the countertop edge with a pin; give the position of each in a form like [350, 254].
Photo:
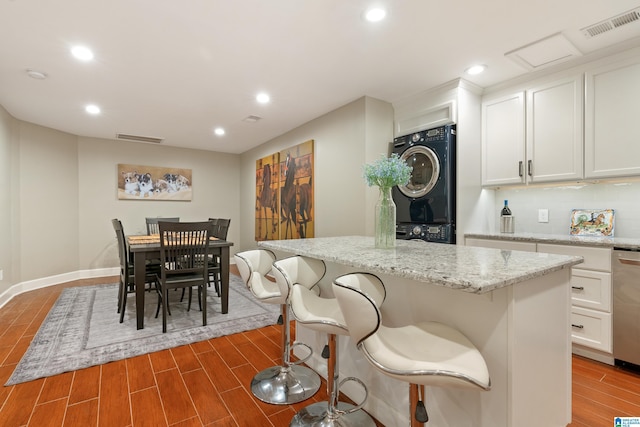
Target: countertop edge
[560, 239]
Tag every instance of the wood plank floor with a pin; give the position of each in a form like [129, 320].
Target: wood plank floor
[206, 383]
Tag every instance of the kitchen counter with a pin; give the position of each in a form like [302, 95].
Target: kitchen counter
[513, 305]
[561, 239]
[475, 270]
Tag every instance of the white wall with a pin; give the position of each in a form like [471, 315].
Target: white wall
[560, 200]
[345, 139]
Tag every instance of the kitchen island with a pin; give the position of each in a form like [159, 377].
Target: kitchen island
[514, 306]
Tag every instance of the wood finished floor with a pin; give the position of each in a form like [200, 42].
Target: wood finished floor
[205, 383]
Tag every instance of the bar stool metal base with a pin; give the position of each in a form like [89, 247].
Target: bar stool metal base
[317, 415]
[281, 385]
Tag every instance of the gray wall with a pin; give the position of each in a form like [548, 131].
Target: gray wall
[215, 193]
[8, 179]
[47, 203]
[345, 139]
[61, 195]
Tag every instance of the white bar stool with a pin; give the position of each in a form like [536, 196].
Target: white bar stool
[426, 353]
[288, 383]
[323, 315]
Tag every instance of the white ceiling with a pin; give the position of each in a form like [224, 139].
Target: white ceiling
[176, 69]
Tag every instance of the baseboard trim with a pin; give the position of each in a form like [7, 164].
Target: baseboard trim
[43, 282]
[593, 354]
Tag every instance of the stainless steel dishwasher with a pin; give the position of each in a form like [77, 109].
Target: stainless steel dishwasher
[626, 306]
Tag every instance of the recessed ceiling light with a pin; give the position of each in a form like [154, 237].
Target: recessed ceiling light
[36, 74]
[92, 109]
[475, 69]
[263, 98]
[375, 15]
[82, 53]
[219, 131]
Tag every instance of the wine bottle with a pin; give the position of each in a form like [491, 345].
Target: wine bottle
[505, 210]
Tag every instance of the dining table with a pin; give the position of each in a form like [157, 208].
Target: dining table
[145, 247]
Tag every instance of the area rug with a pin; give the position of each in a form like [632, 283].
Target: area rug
[82, 329]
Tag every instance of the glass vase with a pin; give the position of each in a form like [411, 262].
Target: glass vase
[385, 220]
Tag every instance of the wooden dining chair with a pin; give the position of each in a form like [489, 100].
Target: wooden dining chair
[127, 283]
[220, 231]
[184, 249]
[152, 223]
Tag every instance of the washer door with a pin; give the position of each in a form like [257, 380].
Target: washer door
[426, 170]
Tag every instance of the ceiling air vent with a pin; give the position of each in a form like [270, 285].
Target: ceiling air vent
[251, 119]
[139, 138]
[611, 23]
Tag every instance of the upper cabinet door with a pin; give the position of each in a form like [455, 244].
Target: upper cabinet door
[612, 107]
[554, 131]
[503, 136]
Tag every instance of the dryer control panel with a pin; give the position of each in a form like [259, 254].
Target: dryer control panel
[439, 233]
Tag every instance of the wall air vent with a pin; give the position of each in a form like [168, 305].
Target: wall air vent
[611, 23]
[139, 138]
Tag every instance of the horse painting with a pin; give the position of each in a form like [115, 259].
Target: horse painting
[288, 198]
[284, 205]
[305, 195]
[267, 202]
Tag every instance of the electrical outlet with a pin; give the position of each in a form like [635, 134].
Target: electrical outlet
[543, 215]
[1, 274]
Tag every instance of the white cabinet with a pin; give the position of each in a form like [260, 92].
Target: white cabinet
[534, 136]
[554, 131]
[503, 138]
[612, 134]
[591, 292]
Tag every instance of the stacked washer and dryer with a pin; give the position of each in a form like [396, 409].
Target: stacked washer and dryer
[426, 206]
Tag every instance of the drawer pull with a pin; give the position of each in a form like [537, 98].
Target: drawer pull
[578, 288]
[577, 326]
[629, 261]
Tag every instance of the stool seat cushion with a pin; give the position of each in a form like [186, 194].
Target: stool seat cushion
[428, 353]
[424, 353]
[265, 290]
[254, 267]
[319, 314]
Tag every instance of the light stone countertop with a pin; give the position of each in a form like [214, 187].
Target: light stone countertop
[561, 239]
[469, 269]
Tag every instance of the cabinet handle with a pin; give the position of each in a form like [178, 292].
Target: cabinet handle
[520, 168]
[530, 167]
[578, 288]
[629, 261]
[577, 326]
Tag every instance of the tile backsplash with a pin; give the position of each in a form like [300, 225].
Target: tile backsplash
[624, 198]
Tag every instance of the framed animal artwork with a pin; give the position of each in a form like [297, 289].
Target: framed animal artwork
[284, 194]
[296, 198]
[136, 182]
[593, 222]
[267, 217]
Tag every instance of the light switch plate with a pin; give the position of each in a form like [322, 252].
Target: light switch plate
[543, 215]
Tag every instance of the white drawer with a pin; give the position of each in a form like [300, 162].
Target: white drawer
[591, 328]
[501, 244]
[594, 258]
[591, 289]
